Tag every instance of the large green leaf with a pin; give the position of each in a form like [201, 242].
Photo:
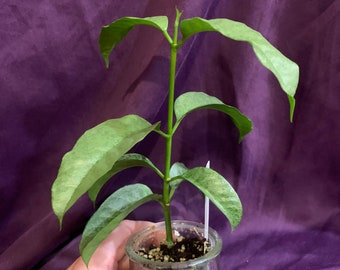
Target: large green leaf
[93, 156]
[192, 101]
[218, 190]
[126, 161]
[112, 211]
[113, 33]
[285, 70]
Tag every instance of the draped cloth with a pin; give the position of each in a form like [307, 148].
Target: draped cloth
[54, 86]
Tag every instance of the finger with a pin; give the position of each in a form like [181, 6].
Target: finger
[124, 263]
[112, 249]
[124, 231]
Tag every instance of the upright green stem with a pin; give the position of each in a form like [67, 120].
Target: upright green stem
[171, 98]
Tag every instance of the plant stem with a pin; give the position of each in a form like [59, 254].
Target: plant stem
[170, 132]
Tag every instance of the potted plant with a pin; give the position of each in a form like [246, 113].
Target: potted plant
[102, 151]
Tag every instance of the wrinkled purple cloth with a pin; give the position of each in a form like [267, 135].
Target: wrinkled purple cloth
[54, 86]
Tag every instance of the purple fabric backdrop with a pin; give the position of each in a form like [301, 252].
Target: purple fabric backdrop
[54, 86]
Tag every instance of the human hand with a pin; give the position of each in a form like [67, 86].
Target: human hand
[110, 255]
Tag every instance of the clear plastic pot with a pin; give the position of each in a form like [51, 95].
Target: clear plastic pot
[155, 234]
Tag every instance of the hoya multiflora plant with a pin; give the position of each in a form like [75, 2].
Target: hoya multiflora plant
[102, 151]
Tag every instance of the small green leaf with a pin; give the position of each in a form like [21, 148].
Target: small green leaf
[285, 70]
[112, 211]
[126, 161]
[113, 33]
[177, 169]
[218, 190]
[93, 156]
[192, 101]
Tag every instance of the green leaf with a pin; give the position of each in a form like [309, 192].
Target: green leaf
[285, 70]
[113, 33]
[93, 156]
[192, 101]
[177, 169]
[218, 190]
[112, 211]
[125, 162]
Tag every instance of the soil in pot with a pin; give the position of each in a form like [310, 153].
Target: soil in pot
[147, 250]
[189, 245]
